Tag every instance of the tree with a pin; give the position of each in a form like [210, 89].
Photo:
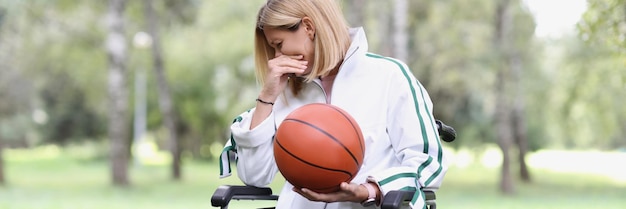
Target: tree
[214, 80]
[593, 64]
[2, 179]
[400, 25]
[118, 99]
[16, 91]
[605, 22]
[512, 36]
[166, 104]
[521, 62]
[504, 133]
[355, 13]
[594, 61]
[384, 22]
[14, 111]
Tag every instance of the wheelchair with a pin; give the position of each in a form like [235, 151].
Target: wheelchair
[392, 200]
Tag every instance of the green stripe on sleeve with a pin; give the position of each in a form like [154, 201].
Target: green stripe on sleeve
[415, 102]
[439, 148]
[440, 152]
[421, 119]
[395, 177]
[424, 165]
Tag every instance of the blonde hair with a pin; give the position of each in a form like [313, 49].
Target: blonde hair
[332, 38]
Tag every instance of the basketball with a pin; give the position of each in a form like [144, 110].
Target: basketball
[318, 146]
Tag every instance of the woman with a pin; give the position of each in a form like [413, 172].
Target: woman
[306, 53]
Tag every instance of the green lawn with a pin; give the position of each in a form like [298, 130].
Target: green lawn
[39, 180]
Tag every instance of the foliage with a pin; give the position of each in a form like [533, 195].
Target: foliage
[605, 23]
[454, 58]
[598, 76]
[53, 65]
[58, 45]
[211, 79]
[55, 52]
[593, 82]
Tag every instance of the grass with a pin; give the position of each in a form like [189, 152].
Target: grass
[40, 180]
[478, 188]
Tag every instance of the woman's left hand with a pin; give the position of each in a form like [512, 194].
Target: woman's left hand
[348, 192]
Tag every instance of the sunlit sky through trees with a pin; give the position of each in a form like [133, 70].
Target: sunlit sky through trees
[556, 17]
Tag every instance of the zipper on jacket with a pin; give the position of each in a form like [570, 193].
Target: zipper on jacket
[318, 83]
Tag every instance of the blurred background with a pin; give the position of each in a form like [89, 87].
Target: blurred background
[127, 104]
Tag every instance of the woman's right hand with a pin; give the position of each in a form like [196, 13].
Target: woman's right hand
[275, 82]
[279, 70]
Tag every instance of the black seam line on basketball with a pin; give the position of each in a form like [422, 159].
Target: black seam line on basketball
[308, 163]
[332, 137]
[353, 128]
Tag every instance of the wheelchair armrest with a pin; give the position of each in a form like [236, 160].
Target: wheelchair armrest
[223, 194]
[395, 199]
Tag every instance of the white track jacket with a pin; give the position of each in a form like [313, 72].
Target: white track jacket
[394, 111]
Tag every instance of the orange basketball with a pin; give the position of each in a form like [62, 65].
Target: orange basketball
[318, 146]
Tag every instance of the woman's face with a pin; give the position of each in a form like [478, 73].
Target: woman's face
[293, 43]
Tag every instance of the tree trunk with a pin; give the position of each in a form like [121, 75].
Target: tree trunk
[2, 179]
[518, 118]
[384, 27]
[400, 25]
[503, 120]
[522, 143]
[504, 133]
[165, 98]
[356, 12]
[118, 98]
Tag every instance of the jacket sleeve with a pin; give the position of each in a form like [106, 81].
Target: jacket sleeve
[413, 134]
[254, 148]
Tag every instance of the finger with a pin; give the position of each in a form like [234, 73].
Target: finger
[289, 65]
[289, 57]
[297, 190]
[310, 193]
[314, 196]
[287, 71]
[346, 187]
[303, 193]
[296, 57]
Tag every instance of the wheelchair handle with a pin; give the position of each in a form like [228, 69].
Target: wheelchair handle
[447, 133]
[223, 194]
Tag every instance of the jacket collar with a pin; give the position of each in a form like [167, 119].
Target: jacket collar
[358, 48]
